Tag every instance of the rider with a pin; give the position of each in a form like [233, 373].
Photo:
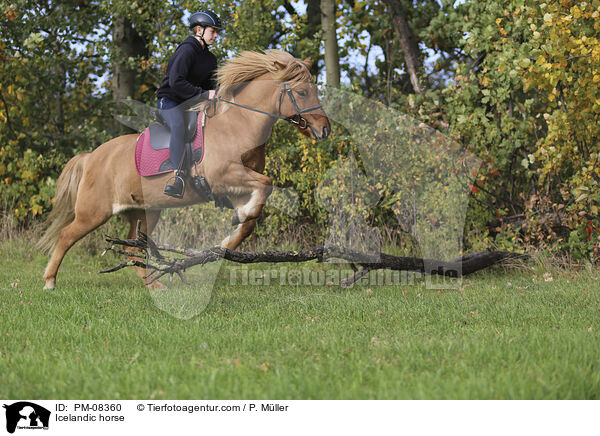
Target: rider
[189, 76]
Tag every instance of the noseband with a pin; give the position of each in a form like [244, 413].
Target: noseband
[296, 119]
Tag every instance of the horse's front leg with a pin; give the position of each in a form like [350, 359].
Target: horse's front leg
[241, 232]
[249, 191]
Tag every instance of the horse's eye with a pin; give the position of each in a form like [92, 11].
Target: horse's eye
[302, 93]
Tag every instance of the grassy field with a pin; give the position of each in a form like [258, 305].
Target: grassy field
[528, 333]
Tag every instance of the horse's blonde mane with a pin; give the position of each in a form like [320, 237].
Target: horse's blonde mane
[249, 65]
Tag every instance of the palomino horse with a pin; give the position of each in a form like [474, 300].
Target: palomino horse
[255, 90]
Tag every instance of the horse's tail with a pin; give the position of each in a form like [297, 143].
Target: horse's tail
[65, 196]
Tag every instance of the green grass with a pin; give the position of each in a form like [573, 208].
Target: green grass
[505, 335]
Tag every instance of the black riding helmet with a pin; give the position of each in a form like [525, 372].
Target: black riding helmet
[204, 19]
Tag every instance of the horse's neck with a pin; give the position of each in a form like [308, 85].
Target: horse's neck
[244, 128]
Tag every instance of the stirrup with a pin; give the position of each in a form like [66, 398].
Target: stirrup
[170, 189]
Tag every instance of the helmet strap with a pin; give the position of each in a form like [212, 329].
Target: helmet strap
[202, 36]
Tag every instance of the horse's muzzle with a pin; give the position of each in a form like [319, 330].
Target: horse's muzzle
[323, 134]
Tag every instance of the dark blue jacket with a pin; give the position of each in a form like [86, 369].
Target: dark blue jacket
[190, 71]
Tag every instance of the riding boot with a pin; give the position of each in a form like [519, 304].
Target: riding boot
[176, 188]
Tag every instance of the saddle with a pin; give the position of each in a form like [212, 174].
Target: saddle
[152, 147]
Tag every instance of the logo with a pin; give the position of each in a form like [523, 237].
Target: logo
[25, 415]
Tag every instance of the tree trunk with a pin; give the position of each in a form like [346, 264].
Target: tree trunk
[313, 16]
[128, 44]
[458, 267]
[332, 60]
[407, 42]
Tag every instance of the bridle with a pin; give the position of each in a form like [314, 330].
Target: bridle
[296, 119]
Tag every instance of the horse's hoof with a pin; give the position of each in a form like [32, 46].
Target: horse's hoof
[236, 219]
[49, 288]
[50, 285]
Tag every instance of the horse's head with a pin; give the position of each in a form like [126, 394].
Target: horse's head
[277, 84]
[299, 101]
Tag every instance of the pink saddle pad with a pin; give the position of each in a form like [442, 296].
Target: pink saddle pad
[148, 161]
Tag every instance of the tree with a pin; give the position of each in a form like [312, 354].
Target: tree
[408, 43]
[332, 61]
[128, 44]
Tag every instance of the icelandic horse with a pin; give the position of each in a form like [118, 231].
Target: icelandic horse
[255, 90]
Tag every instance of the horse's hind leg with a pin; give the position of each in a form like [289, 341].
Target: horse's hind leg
[83, 224]
[148, 219]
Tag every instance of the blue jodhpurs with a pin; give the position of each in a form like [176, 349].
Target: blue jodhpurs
[173, 116]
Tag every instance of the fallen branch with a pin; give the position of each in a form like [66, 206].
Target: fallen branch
[159, 264]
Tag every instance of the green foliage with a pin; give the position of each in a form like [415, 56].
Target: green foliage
[489, 112]
[299, 163]
[49, 106]
[27, 187]
[567, 76]
[254, 25]
[526, 103]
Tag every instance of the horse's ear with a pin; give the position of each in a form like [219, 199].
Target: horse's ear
[308, 61]
[279, 65]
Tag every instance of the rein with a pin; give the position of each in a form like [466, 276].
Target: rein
[296, 119]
